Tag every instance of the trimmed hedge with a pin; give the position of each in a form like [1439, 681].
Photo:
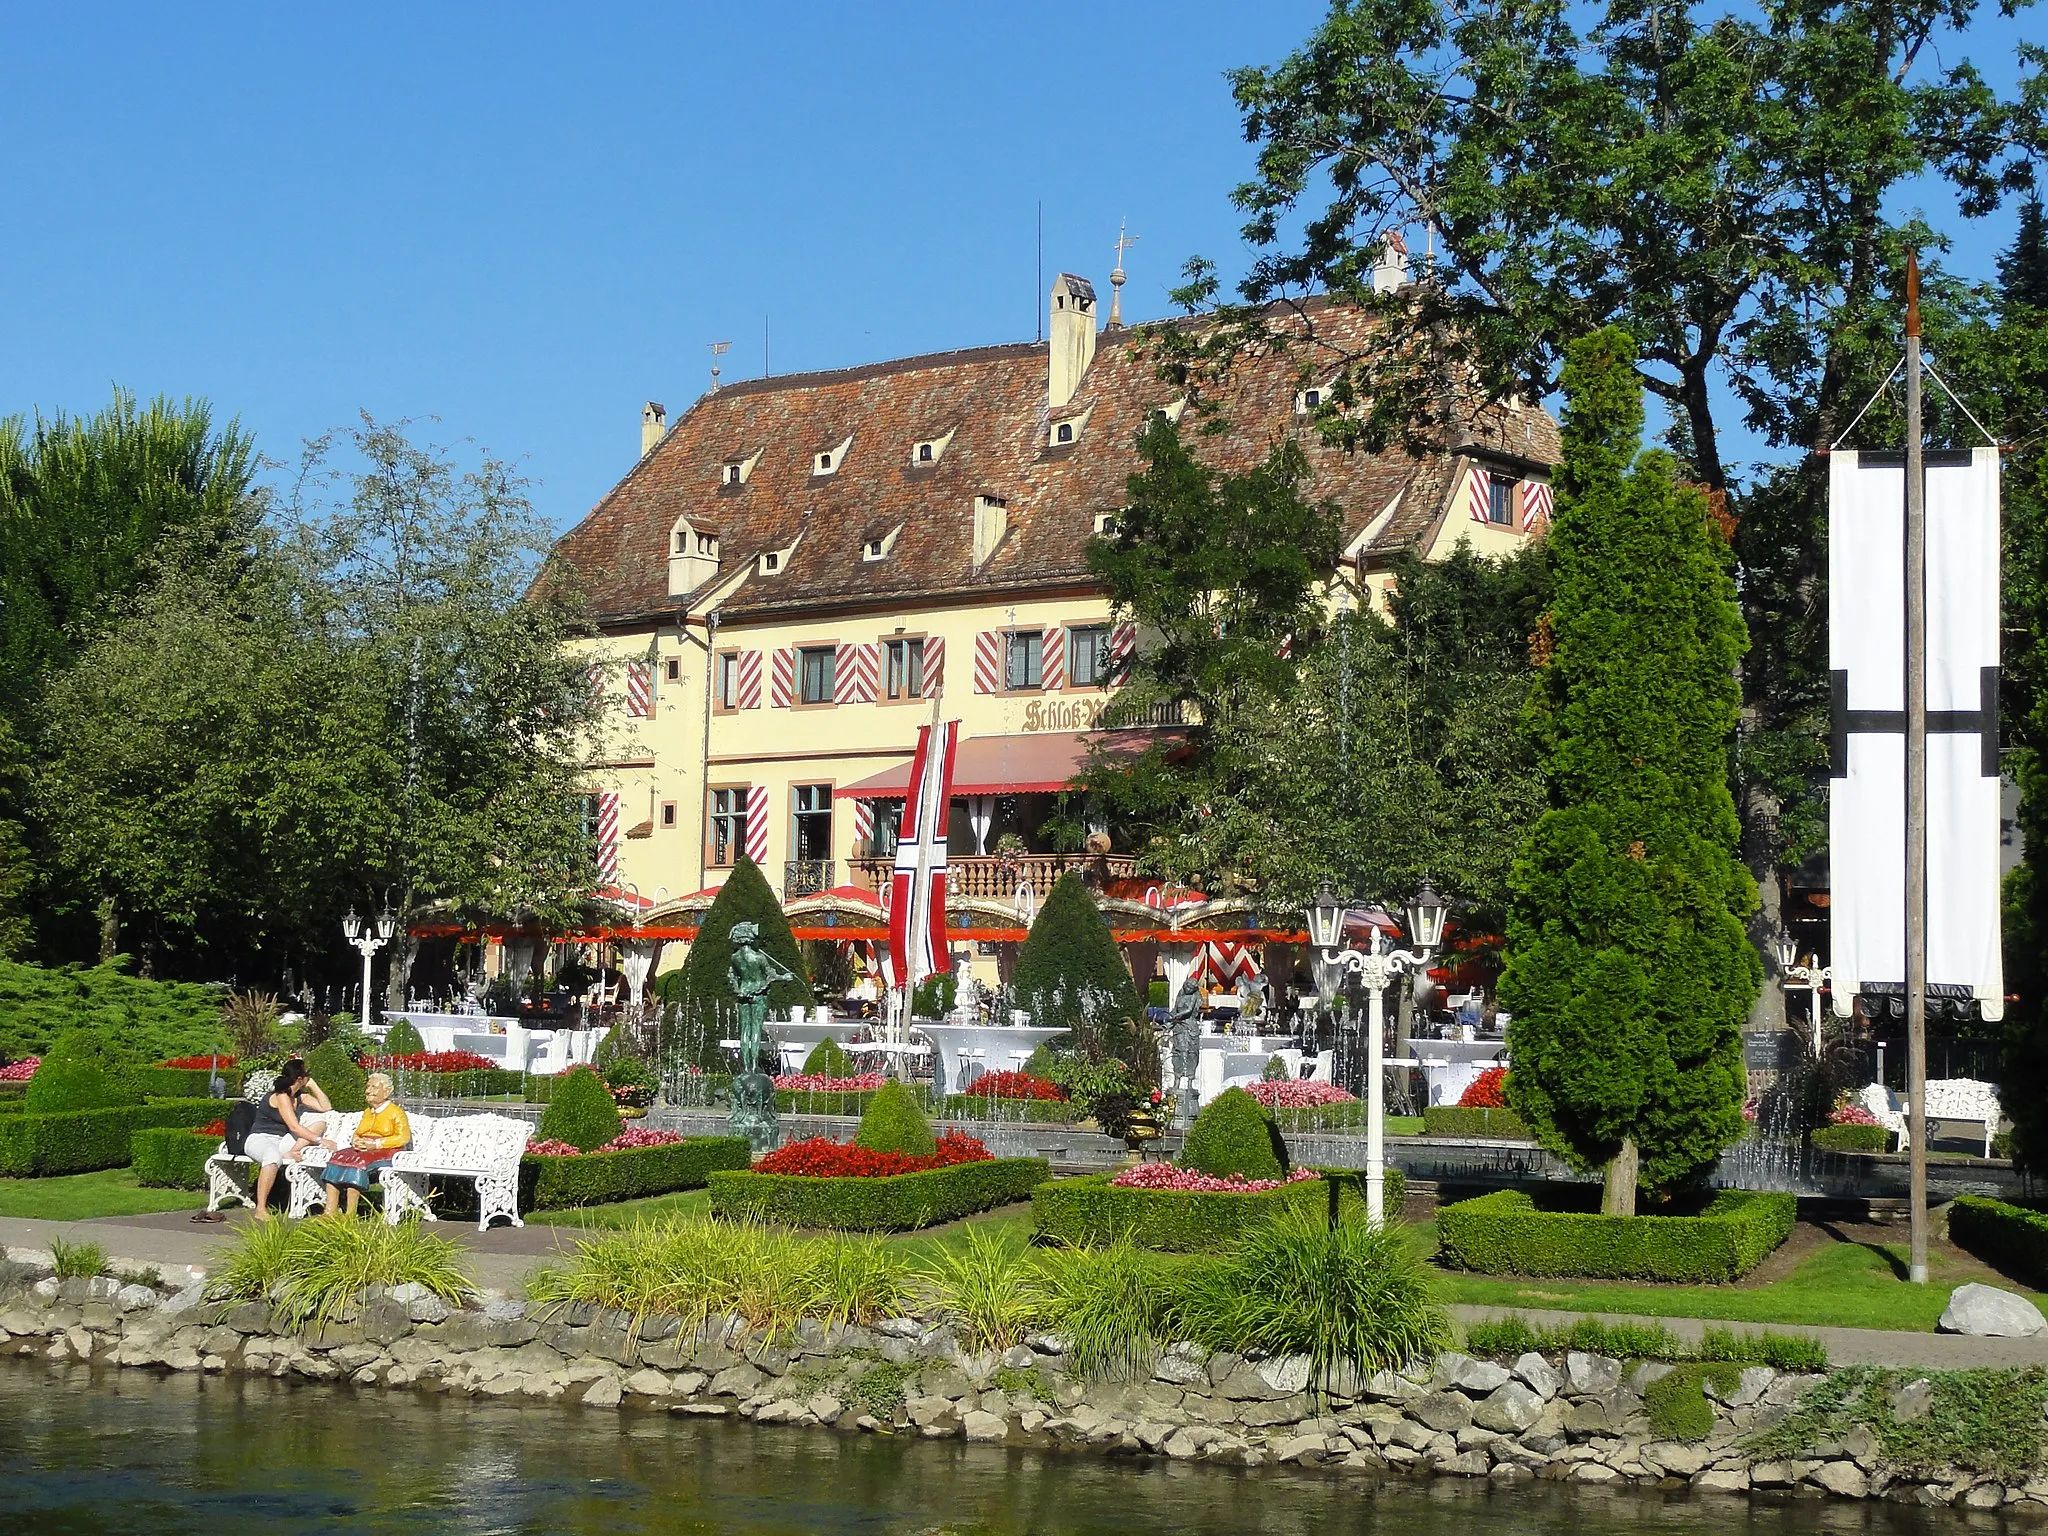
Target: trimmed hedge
[969, 1106]
[87, 1140]
[895, 1122]
[901, 1202]
[2007, 1236]
[1853, 1138]
[476, 1083]
[599, 1178]
[1505, 1234]
[1091, 1211]
[167, 1158]
[1455, 1120]
[1234, 1134]
[185, 1082]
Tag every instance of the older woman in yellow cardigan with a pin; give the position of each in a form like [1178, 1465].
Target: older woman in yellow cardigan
[382, 1131]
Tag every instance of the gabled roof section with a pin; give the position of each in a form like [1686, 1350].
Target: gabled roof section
[994, 401]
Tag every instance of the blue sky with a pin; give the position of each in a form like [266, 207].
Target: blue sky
[526, 220]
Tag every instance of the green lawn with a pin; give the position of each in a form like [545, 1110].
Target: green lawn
[1844, 1285]
[76, 1196]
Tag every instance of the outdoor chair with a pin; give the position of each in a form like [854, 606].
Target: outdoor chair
[233, 1177]
[482, 1148]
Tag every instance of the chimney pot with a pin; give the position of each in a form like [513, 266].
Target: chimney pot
[1072, 337]
[653, 425]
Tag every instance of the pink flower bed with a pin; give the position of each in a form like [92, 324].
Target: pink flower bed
[20, 1071]
[817, 1082]
[1291, 1093]
[630, 1140]
[1188, 1181]
[1852, 1114]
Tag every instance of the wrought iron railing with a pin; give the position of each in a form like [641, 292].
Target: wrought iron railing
[805, 877]
[977, 875]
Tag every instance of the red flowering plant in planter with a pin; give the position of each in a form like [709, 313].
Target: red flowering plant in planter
[1014, 1085]
[20, 1071]
[1488, 1090]
[822, 1158]
[1848, 1112]
[430, 1061]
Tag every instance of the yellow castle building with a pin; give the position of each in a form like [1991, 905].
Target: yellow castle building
[799, 564]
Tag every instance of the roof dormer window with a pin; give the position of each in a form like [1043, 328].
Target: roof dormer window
[828, 461]
[771, 562]
[881, 548]
[739, 469]
[1067, 432]
[928, 451]
[1106, 525]
[1063, 433]
[1311, 400]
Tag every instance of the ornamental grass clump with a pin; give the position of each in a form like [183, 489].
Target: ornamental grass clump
[581, 1111]
[986, 1287]
[893, 1122]
[1112, 1305]
[311, 1271]
[1234, 1134]
[77, 1261]
[1353, 1294]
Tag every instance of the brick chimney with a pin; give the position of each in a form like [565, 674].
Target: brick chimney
[1072, 335]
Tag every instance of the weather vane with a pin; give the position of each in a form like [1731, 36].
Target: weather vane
[718, 350]
[1124, 241]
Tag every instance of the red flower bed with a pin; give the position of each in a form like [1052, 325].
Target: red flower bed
[626, 1141]
[1189, 1181]
[1013, 1085]
[1295, 1093]
[821, 1158]
[1488, 1090]
[20, 1071]
[815, 1082]
[213, 1130]
[199, 1063]
[431, 1061]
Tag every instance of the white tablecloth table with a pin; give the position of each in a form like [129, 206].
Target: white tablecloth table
[797, 1041]
[1000, 1048]
[1449, 1067]
[506, 1041]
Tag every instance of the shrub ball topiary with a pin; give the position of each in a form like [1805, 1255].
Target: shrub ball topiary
[84, 1070]
[1234, 1134]
[403, 1040]
[828, 1060]
[341, 1078]
[580, 1111]
[894, 1123]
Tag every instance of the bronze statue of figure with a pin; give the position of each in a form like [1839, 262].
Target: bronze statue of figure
[750, 973]
[1184, 1022]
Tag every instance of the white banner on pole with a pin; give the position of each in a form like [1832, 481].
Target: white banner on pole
[1866, 659]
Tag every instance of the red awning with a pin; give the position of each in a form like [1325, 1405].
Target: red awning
[1043, 762]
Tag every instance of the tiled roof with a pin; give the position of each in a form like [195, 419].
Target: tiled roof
[993, 401]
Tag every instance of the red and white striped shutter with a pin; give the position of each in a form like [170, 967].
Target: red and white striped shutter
[757, 821]
[988, 662]
[863, 820]
[593, 679]
[855, 674]
[748, 695]
[869, 660]
[1123, 645]
[1536, 503]
[1052, 657]
[608, 834]
[640, 689]
[1479, 495]
[844, 686]
[934, 665]
[782, 682]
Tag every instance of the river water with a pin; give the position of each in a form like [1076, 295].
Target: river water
[132, 1452]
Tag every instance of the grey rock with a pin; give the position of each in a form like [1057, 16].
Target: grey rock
[1510, 1472]
[1047, 1343]
[1019, 1357]
[984, 1426]
[1466, 1464]
[1587, 1419]
[740, 1380]
[136, 1298]
[1307, 1449]
[1285, 1375]
[1674, 1459]
[1645, 1372]
[426, 1307]
[602, 1393]
[898, 1327]
[1509, 1409]
[184, 1303]
[45, 1289]
[1722, 1480]
[1786, 1391]
[1391, 1386]
[386, 1319]
[249, 1317]
[1262, 1414]
[1860, 1446]
[1988, 1312]
[1539, 1375]
[662, 1325]
[1912, 1401]
[1590, 1374]
[1984, 1496]
[1477, 1377]
[1179, 1370]
[1844, 1479]
[1445, 1412]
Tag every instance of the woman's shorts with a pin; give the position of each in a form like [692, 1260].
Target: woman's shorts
[267, 1150]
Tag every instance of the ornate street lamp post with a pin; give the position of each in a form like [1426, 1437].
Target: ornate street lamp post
[1376, 969]
[368, 937]
[1811, 977]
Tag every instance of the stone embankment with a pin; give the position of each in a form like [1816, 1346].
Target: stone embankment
[1579, 1419]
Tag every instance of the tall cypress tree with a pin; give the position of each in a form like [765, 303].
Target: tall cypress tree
[1628, 972]
[1070, 976]
[701, 997]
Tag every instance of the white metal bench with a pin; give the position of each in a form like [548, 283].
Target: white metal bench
[229, 1177]
[485, 1148]
[1948, 1099]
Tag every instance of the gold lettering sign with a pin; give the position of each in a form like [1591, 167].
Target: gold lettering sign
[1062, 714]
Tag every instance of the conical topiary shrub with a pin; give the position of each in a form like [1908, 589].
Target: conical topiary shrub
[401, 1039]
[1070, 976]
[703, 997]
[580, 1111]
[1234, 1134]
[84, 1070]
[895, 1123]
[828, 1060]
[341, 1078]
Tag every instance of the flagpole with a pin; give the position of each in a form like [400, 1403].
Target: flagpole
[1916, 785]
[920, 890]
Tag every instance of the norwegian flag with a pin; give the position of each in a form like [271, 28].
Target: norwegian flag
[1479, 496]
[1536, 503]
[640, 689]
[917, 890]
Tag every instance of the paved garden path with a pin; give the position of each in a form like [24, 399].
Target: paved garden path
[171, 1241]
